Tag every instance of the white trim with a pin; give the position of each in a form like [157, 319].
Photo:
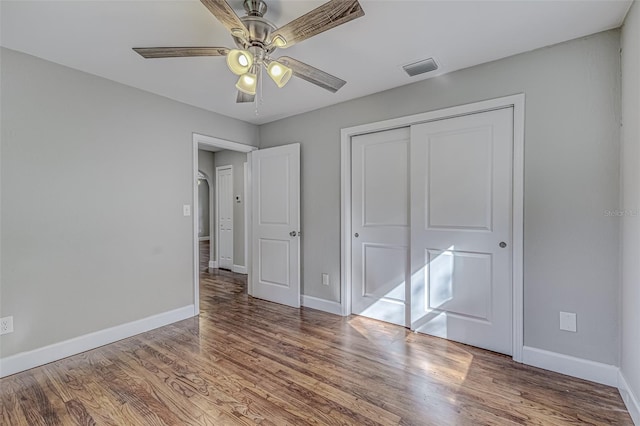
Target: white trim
[203, 238]
[345, 222]
[198, 139]
[239, 269]
[44, 355]
[517, 221]
[217, 225]
[248, 258]
[630, 398]
[245, 190]
[221, 143]
[571, 366]
[518, 103]
[213, 264]
[321, 304]
[194, 230]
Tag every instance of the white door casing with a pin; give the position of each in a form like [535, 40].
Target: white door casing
[461, 214]
[380, 225]
[275, 239]
[203, 142]
[224, 216]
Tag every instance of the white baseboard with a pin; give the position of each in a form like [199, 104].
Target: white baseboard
[571, 366]
[203, 239]
[630, 398]
[321, 304]
[213, 264]
[34, 358]
[239, 269]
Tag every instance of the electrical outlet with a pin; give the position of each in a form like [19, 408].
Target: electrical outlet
[6, 325]
[325, 279]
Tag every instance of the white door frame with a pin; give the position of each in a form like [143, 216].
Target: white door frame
[222, 144]
[517, 102]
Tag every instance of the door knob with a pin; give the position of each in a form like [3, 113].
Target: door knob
[356, 235]
[293, 233]
[502, 244]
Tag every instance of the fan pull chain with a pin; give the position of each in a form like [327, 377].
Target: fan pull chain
[258, 98]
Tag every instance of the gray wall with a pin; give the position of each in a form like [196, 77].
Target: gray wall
[93, 178]
[206, 166]
[571, 176]
[237, 160]
[630, 353]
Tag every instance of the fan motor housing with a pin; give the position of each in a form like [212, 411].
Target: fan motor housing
[259, 32]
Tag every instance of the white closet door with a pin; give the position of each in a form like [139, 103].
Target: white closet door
[275, 174]
[224, 202]
[380, 225]
[461, 190]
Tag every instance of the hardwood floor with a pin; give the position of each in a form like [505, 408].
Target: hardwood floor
[246, 361]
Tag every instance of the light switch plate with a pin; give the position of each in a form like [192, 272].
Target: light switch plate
[186, 210]
[568, 321]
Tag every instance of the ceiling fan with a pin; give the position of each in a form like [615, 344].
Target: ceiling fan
[257, 39]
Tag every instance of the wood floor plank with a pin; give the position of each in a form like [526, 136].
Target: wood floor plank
[246, 361]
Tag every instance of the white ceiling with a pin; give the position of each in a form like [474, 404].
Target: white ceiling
[97, 37]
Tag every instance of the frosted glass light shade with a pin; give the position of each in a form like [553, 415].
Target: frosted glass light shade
[279, 73]
[239, 61]
[247, 83]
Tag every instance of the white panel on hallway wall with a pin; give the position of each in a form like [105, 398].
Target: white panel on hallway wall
[224, 208]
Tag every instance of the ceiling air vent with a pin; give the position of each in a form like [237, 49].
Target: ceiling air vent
[420, 67]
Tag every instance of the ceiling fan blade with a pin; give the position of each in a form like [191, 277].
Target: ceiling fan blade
[243, 97]
[312, 75]
[323, 18]
[180, 52]
[225, 14]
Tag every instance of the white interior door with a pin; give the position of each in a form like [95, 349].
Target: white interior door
[461, 190]
[380, 225]
[224, 203]
[275, 176]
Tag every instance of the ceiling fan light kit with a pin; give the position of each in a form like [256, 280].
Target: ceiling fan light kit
[257, 39]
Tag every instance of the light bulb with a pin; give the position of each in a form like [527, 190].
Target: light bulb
[279, 73]
[276, 70]
[247, 83]
[239, 61]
